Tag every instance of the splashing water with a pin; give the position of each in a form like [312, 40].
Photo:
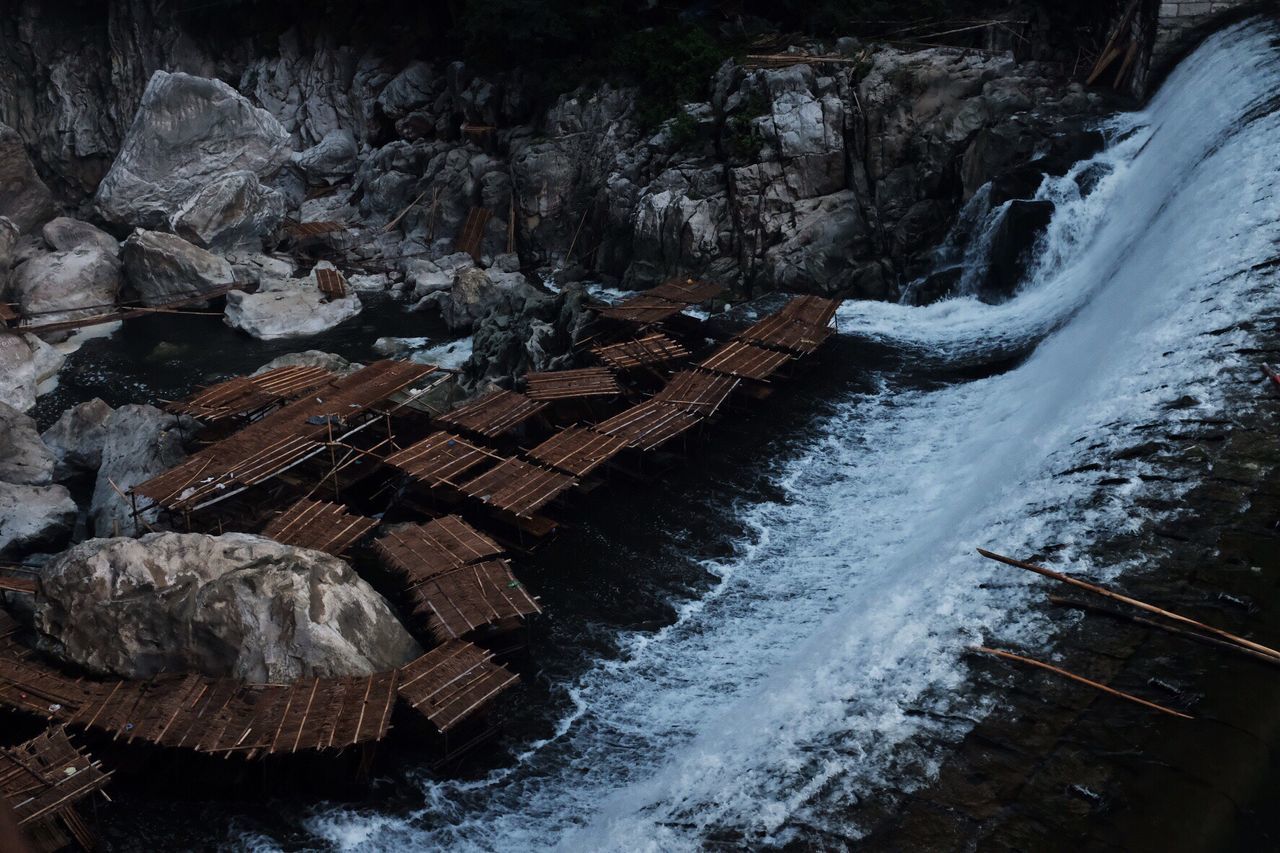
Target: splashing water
[827, 656]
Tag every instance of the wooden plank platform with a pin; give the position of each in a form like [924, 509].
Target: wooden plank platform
[687, 290]
[651, 349]
[452, 682]
[472, 235]
[493, 413]
[319, 525]
[331, 283]
[244, 395]
[46, 776]
[749, 361]
[814, 310]
[578, 450]
[697, 391]
[567, 384]
[439, 459]
[518, 487]
[643, 310]
[417, 552]
[650, 424]
[308, 230]
[464, 599]
[22, 586]
[784, 332]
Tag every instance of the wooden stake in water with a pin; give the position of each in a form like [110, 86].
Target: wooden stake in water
[1080, 679]
[1133, 602]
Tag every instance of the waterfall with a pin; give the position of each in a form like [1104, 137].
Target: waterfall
[825, 665]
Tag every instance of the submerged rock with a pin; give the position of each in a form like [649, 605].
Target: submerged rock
[34, 518]
[24, 198]
[189, 132]
[162, 267]
[234, 605]
[77, 437]
[138, 443]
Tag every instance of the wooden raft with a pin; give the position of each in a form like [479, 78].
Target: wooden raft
[494, 413]
[42, 780]
[467, 598]
[568, 384]
[439, 459]
[319, 525]
[420, 551]
[698, 392]
[648, 425]
[244, 395]
[745, 360]
[451, 682]
[651, 349]
[787, 333]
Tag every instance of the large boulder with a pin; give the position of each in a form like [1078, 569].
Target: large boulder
[230, 211]
[311, 358]
[34, 518]
[8, 241]
[64, 234]
[24, 198]
[293, 309]
[163, 267]
[537, 334]
[235, 605]
[477, 293]
[66, 285]
[24, 458]
[25, 362]
[1017, 232]
[188, 132]
[331, 159]
[76, 439]
[138, 443]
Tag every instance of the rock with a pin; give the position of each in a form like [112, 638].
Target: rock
[24, 458]
[330, 160]
[293, 309]
[162, 267]
[476, 294]
[34, 518]
[67, 285]
[8, 241]
[312, 358]
[64, 234]
[76, 439]
[25, 362]
[537, 334]
[228, 212]
[260, 269]
[138, 443]
[24, 198]
[235, 605]
[189, 132]
[414, 87]
[1011, 247]
[823, 253]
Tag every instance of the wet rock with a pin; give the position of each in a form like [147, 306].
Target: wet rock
[291, 309]
[64, 234]
[235, 605]
[66, 285]
[161, 267]
[25, 362]
[231, 211]
[312, 358]
[24, 458]
[824, 249]
[427, 277]
[330, 160]
[1011, 247]
[34, 518]
[189, 132]
[76, 439]
[138, 443]
[24, 198]
[536, 334]
[477, 293]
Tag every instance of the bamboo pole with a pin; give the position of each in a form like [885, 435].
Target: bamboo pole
[1073, 604]
[1133, 602]
[1079, 679]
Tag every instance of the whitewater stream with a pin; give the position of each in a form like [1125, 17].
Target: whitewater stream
[820, 663]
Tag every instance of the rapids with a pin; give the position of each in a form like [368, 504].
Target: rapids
[825, 664]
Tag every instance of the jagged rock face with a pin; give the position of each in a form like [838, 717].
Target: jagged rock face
[535, 334]
[64, 234]
[66, 285]
[329, 160]
[24, 198]
[477, 293]
[77, 437]
[189, 132]
[24, 458]
[25, 362]
[231, 211]
[138, 443]
[8, 240]
[234, 605]
[34, 518]
[293, 309]
[161, 267]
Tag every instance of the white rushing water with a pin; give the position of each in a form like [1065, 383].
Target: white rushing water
[795, 687]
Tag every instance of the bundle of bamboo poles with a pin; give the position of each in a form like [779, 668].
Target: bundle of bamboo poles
[1166, 620]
